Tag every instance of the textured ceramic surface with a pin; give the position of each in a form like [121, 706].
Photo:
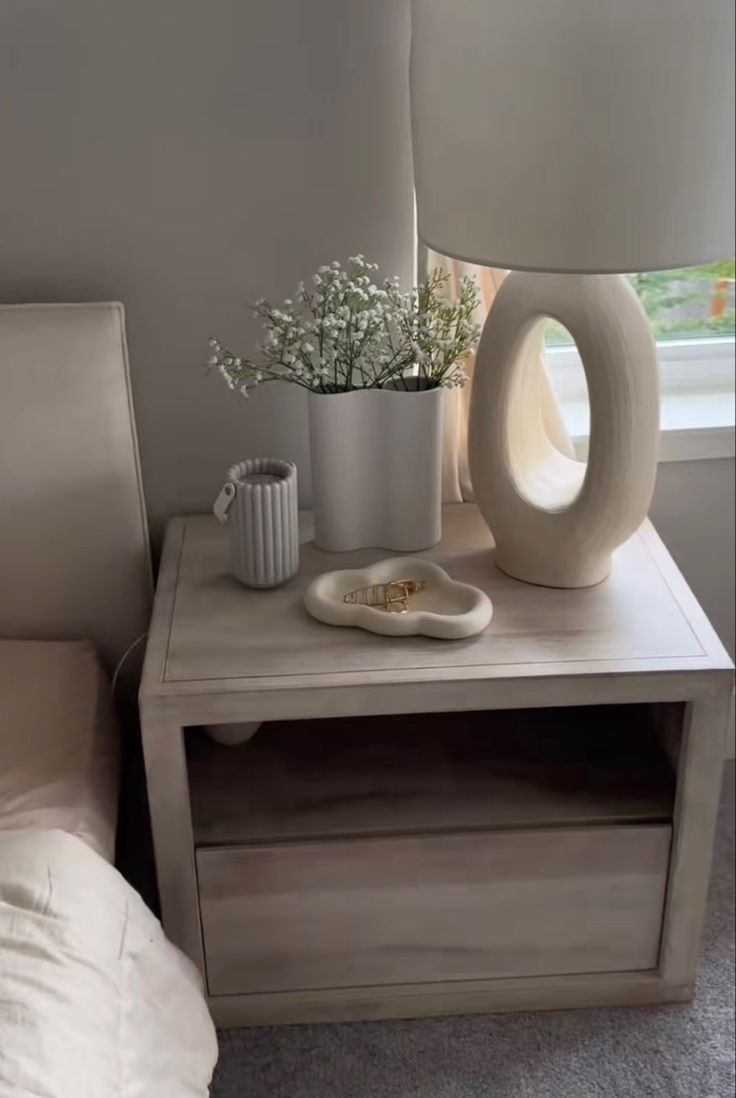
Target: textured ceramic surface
[556, 521]
[259, 505]
[376, 469]
[445, 609]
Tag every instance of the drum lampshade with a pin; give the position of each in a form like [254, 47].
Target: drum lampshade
[575, 135]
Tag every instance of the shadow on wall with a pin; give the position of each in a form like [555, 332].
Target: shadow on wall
[186, 158]
[693, 510]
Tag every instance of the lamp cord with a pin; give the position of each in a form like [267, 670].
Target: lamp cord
[121, 662]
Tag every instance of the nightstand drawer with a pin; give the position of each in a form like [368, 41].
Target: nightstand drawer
[361, 912]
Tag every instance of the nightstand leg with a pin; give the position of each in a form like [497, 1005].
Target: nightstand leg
[173, 841]
[696, 807]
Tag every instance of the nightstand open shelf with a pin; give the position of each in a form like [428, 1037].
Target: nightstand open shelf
[518, 820]
[335, 854]
[433, 772]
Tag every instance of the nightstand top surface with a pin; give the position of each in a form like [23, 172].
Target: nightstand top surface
[211, 634]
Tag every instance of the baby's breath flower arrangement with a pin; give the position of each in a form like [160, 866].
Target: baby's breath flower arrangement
[345, 332]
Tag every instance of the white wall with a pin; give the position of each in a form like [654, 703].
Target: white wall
[693, 511]
[185, 157]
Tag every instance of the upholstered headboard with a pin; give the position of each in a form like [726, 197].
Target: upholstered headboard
[74, 554]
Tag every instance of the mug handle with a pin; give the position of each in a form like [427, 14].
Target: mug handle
[223, 502]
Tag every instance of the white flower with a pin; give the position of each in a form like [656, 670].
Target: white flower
[424, 328]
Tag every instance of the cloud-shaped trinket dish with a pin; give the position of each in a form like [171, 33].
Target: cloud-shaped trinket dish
[400, 597]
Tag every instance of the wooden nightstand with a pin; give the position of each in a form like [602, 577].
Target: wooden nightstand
[545, 843]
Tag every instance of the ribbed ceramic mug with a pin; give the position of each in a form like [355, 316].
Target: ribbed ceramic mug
[259, 505]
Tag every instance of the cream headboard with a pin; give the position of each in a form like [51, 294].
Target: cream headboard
[74, 554]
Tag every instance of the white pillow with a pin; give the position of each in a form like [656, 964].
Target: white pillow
[94, 1001]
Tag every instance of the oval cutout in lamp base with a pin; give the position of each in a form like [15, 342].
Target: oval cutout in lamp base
[554, 521]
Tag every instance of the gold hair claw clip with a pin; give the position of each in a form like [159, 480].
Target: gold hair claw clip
[391, 597]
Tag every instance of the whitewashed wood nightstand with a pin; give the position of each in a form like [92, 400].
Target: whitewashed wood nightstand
[519, 820]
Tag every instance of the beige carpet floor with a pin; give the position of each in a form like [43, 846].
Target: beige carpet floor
[669, 1052]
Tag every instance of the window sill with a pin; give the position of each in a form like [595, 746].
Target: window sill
[698, 399]
[695, 425]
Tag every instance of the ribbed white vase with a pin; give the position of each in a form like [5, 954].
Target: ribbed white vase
[377, 468]
[259, 505]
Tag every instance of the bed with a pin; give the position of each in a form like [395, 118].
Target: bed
[94, 1001]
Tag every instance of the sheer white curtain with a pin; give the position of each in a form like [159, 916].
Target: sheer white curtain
[456, 485]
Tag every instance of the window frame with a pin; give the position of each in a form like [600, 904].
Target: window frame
[698, 396]
[685, 365]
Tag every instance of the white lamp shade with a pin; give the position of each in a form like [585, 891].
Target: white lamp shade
[575, 135]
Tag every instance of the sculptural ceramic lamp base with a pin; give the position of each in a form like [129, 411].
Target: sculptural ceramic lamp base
[556, 521]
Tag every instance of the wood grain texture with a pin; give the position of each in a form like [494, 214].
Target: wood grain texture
[669, 720]
[430, 773]
[382, 911]
[171, 822]
[600, 989]
[555, 520]
[223, 633]
[696, 808]
[295, 698]
[219, 654]
[257, 656]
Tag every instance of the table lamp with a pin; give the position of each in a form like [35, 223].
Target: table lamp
[571, 141]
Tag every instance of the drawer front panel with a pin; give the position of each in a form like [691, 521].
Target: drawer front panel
[431, 908]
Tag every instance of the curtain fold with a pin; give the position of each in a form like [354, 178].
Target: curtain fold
[456, 483]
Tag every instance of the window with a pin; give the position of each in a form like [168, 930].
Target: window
[695, 303]
[693, 316]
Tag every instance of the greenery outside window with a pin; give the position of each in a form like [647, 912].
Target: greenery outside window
[693, 316]
[693, 303]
